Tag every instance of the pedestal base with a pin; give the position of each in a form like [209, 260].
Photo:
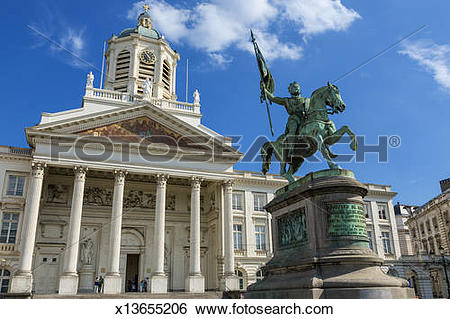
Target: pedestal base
[87, 276]
[112, 285]
[68, 285]
[158, 284]
[229, 283]
[22, 284]
[195, 284]
[321, 248]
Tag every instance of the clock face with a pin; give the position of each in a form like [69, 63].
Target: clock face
[147, 57]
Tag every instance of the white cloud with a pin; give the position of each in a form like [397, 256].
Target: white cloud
[433, 57]
[318, 16]
[220, 59]
[66, 42]
[73, 41]
[215, 26]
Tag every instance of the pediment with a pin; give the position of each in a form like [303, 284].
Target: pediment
[136, 124]
[140, 129]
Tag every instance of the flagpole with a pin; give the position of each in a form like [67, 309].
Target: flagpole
[103, 65]
[263, 95]
[187, 79]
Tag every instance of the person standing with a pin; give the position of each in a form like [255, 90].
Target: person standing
[145, 284]
[96, 285]
[100, 285]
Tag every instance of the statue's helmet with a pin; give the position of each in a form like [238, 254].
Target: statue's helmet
[294, 88]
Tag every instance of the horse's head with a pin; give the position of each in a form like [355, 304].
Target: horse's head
[333, 98]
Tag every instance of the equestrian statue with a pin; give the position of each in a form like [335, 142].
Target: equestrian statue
[308, 128]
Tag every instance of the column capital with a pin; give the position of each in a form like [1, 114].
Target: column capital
[161, 180]
[196, 181]
[228, 185]
[80, 172]
[119, 176]
[38, 169]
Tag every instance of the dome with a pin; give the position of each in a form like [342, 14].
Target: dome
[144, 27]
[149, 33]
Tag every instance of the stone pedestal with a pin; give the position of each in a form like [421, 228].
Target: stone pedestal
[195, 284]
[321, 248]
[22, 283]
[68, 284]
[87, 277]
[112, 285]
[158, 284]
[229, 283]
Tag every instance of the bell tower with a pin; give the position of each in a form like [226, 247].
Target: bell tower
[139, 54]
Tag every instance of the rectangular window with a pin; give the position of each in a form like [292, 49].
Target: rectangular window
[238, 201]
[367, 209]
[386, 236]
[382, 211]
[259, 201]
[8, 232]
[369, 234]
[422, 229]
[15, 185]
[435, 224]
[431, 244]
[237, 236]
[427, 223]
[260, 232]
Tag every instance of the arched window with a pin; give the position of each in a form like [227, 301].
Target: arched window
[122, 71]
[259, 275]
[4, 280]
[240, 275]
[166, 79]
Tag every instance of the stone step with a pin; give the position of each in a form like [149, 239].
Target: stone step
[137, 295]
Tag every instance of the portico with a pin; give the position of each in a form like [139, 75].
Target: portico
[167, 246]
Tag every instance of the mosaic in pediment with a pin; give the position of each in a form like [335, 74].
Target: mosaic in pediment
[138, 129]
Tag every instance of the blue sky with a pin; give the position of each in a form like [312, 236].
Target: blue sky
[404, 92]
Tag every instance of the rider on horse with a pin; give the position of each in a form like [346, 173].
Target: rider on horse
[296, 106]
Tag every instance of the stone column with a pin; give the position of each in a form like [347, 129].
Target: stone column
[195, 282]
[23, 280]
[158, 280]
[229, 281]
[112, 282]
[68, 282]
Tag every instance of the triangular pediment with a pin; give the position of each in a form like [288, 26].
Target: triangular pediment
[140, 129]
[137, 124]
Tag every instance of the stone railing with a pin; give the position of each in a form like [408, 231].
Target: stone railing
[173, 105]
[8, 248]
[16, 150]
[239, 252]
[109, 95]
[176, 105]
[261, 253]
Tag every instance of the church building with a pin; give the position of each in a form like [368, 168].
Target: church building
[131, 186]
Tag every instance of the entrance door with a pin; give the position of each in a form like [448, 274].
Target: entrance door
[132, 275]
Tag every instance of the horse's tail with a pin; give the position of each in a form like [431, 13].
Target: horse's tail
[266, 155]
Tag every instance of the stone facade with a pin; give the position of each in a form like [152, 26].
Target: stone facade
[422, 231]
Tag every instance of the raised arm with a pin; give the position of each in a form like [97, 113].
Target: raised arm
[275, 99]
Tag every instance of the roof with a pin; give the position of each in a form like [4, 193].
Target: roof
[149, 33]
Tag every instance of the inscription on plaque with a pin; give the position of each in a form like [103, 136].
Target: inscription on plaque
[346, 219]
[292, 229]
